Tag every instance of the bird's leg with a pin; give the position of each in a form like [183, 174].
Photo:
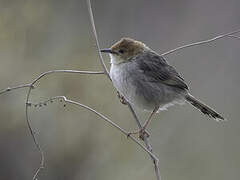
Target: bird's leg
[142, 131]
[150, 117]
[121, 98]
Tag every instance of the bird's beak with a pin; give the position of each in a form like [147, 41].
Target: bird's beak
[108, 51]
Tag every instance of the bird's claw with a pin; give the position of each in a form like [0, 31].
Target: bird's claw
[121, 98]
[142, 133]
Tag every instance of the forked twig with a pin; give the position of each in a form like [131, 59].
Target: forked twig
[46, 73]
[29, 104]
[147, 144]
[101, 116]
[96, 38]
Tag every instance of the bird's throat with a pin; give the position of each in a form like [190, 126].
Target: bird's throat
[116, 59]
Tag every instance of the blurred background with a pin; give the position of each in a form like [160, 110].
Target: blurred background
[37, 36]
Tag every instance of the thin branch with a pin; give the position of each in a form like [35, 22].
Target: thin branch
[129, 106]
[15, 87]
[200, 42]
[96, 39]
[147, 146]
[66, 71]
[146, 141]
[233, 36]
[33, 136]
[28, 104]
[101, 116]
[46, 73]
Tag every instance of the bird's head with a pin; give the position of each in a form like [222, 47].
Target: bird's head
[124, 50]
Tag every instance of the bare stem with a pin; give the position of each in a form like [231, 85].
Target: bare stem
[148, 146]
[146, 141]
[46, 73]
[103, 117]
[28, 104]
[15, 87]
[66, 71]
[233, 36]
[33, 135]
[202, 42]
[96, 39]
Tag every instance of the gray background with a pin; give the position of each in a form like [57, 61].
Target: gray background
[37, 36]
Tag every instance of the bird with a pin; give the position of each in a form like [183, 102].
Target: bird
[147, 81]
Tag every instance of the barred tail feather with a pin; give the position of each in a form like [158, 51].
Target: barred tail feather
[204, 108]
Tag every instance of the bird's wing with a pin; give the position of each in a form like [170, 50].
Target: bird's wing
[157, 70]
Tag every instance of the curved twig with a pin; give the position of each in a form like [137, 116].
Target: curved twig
[33, 135]
[147, 144]
[96, 39]
[145, 139]
[66, 71]
[29, 104]
[201, 42]
[101, 116]
[46, 73]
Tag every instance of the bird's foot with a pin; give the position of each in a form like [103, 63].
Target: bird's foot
[141, 132]
[121, 98]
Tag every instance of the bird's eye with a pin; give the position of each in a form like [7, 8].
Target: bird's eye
[121, 51]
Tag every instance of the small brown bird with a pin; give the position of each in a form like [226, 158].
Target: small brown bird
[146, 80]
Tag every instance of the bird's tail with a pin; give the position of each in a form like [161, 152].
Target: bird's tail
[204, 108]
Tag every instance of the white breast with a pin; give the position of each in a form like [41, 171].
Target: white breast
[119, 77]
